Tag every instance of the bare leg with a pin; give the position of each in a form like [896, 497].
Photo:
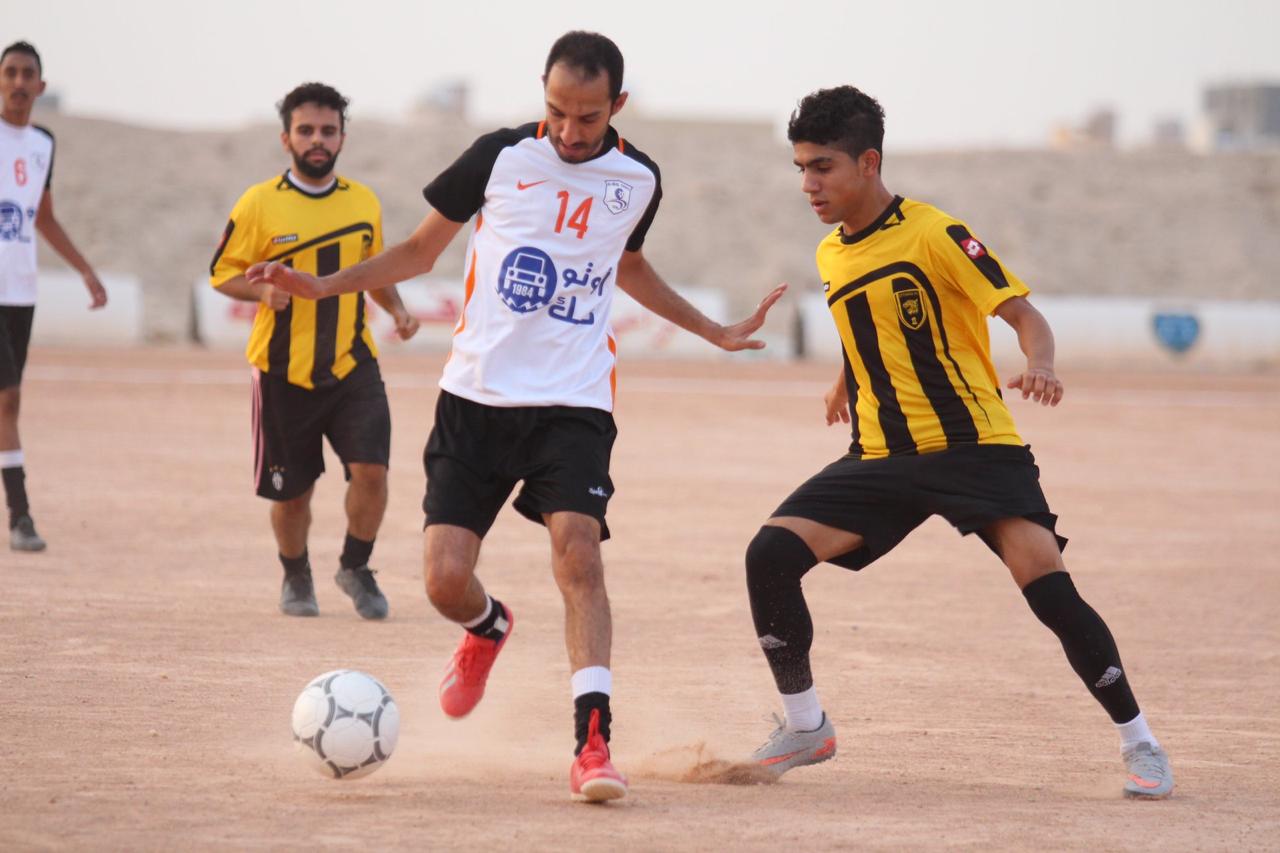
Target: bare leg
[366, 500]
[449, 568]
[579, 572]
[10, 399]
[291, 521]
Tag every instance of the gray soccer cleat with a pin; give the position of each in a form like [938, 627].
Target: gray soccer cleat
[787, 748]
[298, 595]
[23, 536]
[363, 589]
[1150, 777]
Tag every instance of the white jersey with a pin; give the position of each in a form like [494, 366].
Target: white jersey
[26, 171]
[542, 265]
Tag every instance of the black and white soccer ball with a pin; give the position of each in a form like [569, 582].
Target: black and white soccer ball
[345, 724]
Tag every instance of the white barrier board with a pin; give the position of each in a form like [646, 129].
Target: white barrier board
[63, 317]
[1117, 333]
[437, 303]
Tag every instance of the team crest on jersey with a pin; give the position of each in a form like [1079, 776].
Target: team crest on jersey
[526, 279]
[617, 196]
[277, 481]
[910, 307]
[10, 221]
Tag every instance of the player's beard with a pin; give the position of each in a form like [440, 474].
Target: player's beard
[312, 169]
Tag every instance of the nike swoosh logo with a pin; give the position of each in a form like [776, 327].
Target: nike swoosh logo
[1144, 783]
[521, 185]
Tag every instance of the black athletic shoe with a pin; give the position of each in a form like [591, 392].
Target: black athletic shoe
[363, 589]
[23, 536]
[298, 595]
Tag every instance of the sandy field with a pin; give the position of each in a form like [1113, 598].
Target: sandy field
[146, 678]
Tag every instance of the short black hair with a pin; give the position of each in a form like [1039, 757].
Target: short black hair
[24, 47]
[589, 53]
[313, 93]
[844, 118]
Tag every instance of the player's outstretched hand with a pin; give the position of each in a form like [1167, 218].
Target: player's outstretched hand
[406, 325]
[738, 336]
[1040, 384]
[837, 402]
[286, 278]
[97, 293]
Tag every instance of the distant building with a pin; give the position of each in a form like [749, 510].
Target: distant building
[449, 98]
[1168, 133]
[1098, 130]
[1243, 116]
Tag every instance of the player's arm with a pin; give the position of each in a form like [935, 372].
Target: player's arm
[389, 299]
[837, 401]
[51, 229]
[1035, 338]
[639, 280]
[247, 291]
[415, 256]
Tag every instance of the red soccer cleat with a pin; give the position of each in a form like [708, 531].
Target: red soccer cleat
[463, 684]
[592, 778]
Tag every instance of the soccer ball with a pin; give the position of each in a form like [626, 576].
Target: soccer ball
[345, 724]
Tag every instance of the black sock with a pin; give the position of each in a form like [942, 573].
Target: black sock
[777, 559]
[582, 708]
[355, 553]
[15, 491]
[296, 565]
[1090, 648]
[495, 625]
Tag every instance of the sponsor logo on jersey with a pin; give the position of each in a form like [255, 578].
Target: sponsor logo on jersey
[598, 491]
[910, 307]
[285, 238]
[617, 196]
[10, 221]
[973, 248]
[521, 185]
[527, 279]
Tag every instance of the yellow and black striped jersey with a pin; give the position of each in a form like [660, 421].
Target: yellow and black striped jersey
[311, 343]
[910, 295]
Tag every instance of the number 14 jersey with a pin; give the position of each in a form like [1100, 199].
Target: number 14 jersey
[542, 265]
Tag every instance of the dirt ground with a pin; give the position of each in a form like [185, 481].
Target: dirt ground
[146, 678]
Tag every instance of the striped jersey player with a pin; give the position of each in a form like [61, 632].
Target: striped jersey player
[559, 211]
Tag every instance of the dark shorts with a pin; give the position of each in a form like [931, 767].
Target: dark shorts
[15, 335]
[476, 454]
[291, 423]
[882, 500]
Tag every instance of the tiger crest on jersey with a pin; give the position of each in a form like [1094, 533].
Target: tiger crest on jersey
[910, 304]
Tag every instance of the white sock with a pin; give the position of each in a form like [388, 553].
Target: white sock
[592, 679]
[804, 712]
[11, 458]
[488, 608]
[1135, 732]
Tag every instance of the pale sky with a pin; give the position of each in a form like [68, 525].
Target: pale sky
[949, 74]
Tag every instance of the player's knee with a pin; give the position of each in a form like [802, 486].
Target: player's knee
[368, 474]
[447, 582]
[776, 556]
[578, 564]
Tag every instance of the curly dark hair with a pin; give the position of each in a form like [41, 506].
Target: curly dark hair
[844, 118]
[589, 53]
[24, 47]
[313, 93]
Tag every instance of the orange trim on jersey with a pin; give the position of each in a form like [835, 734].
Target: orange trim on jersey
[466, 300]
[479, 220]
[619, 143]
[613, 373]
[542, 130]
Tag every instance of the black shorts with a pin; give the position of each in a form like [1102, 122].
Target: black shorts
[290, 423]
[15, 335]
[476, 454]
[882, 500]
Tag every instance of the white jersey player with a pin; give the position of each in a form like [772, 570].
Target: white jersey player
[561, 208]
[26, 206]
